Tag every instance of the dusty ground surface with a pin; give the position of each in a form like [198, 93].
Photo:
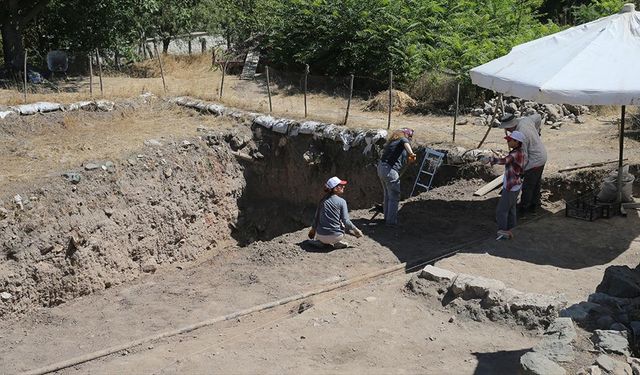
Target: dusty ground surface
[375, 327]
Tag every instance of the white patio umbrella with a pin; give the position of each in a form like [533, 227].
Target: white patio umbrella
[591, 64]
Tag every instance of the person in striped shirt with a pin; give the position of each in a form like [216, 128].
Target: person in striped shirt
[514, 164]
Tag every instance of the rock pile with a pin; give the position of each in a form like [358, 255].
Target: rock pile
[553, 115]
[44, 107]
[346, 136]
[483, 298]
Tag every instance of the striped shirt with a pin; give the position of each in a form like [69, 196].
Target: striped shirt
[513, 169]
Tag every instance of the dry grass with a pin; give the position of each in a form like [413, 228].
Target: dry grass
[399, 101]
[38, 146]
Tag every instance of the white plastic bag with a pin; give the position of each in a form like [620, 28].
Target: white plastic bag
[609, 189]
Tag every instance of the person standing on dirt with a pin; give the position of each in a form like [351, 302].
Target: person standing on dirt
[331, 220]
[511, 184]
[536, 155]
[397, 152]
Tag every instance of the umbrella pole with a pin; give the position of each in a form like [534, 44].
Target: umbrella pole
[620, 157]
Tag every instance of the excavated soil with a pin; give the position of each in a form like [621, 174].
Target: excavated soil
[195, 217]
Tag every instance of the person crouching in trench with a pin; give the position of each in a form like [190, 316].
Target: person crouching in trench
[331, 220]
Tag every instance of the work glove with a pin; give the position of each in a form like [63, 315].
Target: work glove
[356, 232]
[411, 158]
[312, 233]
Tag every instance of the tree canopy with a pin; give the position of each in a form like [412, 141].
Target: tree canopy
[336, 37]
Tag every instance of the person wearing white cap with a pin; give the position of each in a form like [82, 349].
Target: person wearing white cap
[535, 153]
[511, 184]
[331, 220]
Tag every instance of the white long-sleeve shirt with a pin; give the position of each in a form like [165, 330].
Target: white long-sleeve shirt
[535, 152]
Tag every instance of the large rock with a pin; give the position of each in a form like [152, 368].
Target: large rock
[563, 329]
[620, 281]
[540, 303]
[533, 363]
[552, 111]
[611, 301]
[580, 311]
[556, 343]
[611, 366]
[574, 109]
[556, 350]
[611, 341]
[470, 287]
[437, 274]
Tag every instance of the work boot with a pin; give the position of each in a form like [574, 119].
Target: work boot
[340, 245]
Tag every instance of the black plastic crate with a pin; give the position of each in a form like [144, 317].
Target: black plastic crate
[584, 208]
[609, 210]
[589, 208]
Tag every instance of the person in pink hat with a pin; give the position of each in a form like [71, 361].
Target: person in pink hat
[331, 220]
[511, 184]
[397, 152]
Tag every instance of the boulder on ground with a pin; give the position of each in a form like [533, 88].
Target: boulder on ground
[533, 363]
[620, 281]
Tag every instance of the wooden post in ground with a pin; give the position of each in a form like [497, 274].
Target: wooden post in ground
[90, 76]
[306, 81]
[390, 98]
[99, 72]
[495, 113]
[346, 116]
[164, 84]
[455, 116]
[268, 88]
[25, 75]
[223, 67]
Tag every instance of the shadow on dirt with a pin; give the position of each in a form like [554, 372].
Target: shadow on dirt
[500, 362]
[432, 228]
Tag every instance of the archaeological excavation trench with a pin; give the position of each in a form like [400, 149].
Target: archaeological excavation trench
[87, 229]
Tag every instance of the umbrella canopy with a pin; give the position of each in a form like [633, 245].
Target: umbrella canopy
[591, 64]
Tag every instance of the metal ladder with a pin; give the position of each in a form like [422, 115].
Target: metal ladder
[430, 163]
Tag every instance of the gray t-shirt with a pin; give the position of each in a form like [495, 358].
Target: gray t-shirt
[394, 153]
[332, 216]
[535, 152]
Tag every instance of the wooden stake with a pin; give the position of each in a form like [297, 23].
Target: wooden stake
[99, 72]
[25, 75]
[346, 116]
[223, 67]
[268, 88]
[164, 84]
[390, 98]
[455, 116]
[90, 76]
[306, 80]
[495, 113]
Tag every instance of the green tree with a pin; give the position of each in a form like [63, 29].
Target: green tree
[14, 18]
[236, 20]
[171, 18]
[596, 9]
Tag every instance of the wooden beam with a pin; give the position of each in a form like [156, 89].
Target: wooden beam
[592, 165]
[490, 186]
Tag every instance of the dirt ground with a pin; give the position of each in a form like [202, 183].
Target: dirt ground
[374, 326]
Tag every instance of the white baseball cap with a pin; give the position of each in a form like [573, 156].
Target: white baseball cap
[333, 182]
[516, 136]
